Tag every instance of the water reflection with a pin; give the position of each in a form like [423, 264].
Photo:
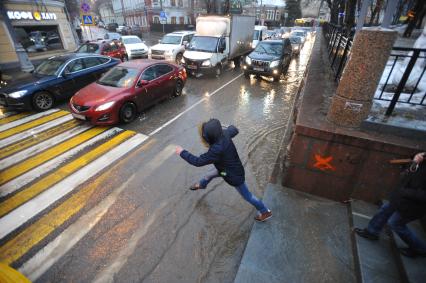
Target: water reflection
[244, 95]
[268, 101]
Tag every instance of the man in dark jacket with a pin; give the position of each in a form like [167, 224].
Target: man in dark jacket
[223, 154]
[406, 204]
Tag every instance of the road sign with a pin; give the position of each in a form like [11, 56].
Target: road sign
[163, 14]
[88, 20]
[85, 7]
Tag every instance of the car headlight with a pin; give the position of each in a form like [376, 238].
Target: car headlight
[105, 106]
[17, 94]
[206, 63]
[169, 52]
[274, 63]
[248, 60]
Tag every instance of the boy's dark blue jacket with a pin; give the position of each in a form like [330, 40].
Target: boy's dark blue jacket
[222, 152]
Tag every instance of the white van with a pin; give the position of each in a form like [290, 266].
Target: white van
[258, 35]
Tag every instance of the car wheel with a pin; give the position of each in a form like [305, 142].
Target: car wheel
[178, 59]
[127, 112]
[43, 101]
[218, 70]
[178, 88]
[277, 78]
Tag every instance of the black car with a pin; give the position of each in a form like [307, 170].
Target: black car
[57, 78]
[269, 58]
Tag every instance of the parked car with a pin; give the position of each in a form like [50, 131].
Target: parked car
[171, 46]
[126, 90]
[120, 28]
[112, 35]
[296, 44]
[136, 30]
[112, 48]
[300, 33]
[55, 79]
[269, 58]
[112, 27]
[134, 46]
[126, 30]
[258, 35]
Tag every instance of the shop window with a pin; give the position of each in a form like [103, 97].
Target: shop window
[173, 20]
[156, 20]
[173, 3]
[181, 20]
[180, 3]
[39, 38]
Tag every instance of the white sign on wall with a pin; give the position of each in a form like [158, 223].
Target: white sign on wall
[26, 15]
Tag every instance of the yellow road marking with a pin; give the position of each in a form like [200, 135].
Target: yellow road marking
[13, 118]
[32, 162]
[18, 246]
[30, 141]
[29, 125]
[63, 172]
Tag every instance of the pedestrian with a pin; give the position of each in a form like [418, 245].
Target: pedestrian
[223, 154]
[406, 204]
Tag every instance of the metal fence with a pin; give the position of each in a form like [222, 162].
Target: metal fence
[403, 80]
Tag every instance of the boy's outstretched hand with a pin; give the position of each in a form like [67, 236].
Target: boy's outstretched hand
[178, 150]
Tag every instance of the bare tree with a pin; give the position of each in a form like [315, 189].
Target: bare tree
[335, 7]
[350, 8]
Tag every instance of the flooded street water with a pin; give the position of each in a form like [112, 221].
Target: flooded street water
[159, 231]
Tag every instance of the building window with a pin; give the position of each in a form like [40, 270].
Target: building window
[39, 38]
[173, 20]
[277, 16]
[180, 3]
[181, 20]
[156, 20]
[173, 3]
[154, 2]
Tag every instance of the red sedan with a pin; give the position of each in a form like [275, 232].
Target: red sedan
[127, 89]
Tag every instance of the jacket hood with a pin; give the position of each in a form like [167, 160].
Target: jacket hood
[212, 131]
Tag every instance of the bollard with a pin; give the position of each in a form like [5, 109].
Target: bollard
[353, 99]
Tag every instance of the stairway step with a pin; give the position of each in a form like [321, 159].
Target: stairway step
[376, 260]
[415, 268]
[306, 240]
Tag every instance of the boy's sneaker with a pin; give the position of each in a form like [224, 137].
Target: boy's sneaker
[366, 234]
[263, 216]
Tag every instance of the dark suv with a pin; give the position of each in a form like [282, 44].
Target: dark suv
[269, 58]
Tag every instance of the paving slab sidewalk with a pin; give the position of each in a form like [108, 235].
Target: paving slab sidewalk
[306, 240]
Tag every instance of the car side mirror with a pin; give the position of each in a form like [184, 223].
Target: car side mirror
[184, 43]
[141, 83]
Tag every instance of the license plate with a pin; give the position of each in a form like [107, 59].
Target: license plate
[258, 69]
[78, 116]
[194, 67]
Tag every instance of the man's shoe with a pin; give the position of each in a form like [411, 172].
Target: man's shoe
[195, 187]
[411, 253]
[263, 216]
[365, 234]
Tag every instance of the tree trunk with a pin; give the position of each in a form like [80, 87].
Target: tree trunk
[350, 15]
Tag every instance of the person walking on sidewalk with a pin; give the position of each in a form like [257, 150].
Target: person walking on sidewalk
[223, 154]
[406, 204]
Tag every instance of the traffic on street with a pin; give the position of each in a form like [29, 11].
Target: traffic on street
[90, 188]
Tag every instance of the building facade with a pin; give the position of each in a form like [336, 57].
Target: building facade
[42, 27]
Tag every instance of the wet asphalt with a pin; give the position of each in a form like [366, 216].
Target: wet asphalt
[159, 231]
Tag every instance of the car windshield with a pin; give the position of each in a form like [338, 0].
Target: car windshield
[131, 40]
[295, 40]
[171, 39]
[298, 33]
[50, 67]
[119, 77]
[89, 48]
[203, 43]
[274, 48]
[256, 34]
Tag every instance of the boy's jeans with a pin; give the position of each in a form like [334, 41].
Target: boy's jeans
[242, 189]
[398, 224]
